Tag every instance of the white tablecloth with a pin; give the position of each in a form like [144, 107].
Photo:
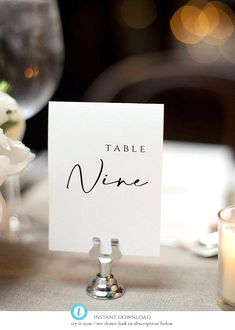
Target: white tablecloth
[196, 180]
[31, 278]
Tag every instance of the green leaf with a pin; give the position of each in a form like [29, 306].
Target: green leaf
[4, 86]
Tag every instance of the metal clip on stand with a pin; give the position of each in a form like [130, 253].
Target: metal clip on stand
[105, 286]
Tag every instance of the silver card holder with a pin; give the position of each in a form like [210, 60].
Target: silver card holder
[105, 286]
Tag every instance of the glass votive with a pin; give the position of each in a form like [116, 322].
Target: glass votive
[226, 283]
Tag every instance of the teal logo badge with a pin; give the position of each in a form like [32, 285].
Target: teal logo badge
[79, 312]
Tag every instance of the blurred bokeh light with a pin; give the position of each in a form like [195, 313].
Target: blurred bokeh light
[150, 51]
[138, 14]
[31, 71]
[205, 25]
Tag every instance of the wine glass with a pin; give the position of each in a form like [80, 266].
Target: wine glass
[31, 62]
[31, 51]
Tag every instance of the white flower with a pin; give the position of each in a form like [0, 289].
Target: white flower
[11, 118]
[3, 117]
[14, 156]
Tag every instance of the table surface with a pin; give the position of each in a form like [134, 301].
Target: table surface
[33, 278]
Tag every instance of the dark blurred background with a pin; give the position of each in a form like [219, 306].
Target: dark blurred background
[150, 51]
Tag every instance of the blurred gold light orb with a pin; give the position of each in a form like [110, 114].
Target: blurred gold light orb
[213, 22]
[194, 20]
[138, 14]
[225, 27]
[183, 27]
[213, 18]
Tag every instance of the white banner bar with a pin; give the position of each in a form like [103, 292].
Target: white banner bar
[116, 320]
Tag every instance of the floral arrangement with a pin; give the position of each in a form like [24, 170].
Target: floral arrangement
[11, 118]
[14, 155]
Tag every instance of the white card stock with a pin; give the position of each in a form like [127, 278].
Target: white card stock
[105, 176]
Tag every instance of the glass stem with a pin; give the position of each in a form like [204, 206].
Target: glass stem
[13, 196]
[4, 218]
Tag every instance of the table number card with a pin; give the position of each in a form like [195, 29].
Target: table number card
[105, 176]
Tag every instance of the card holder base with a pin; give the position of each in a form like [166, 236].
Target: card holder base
[105, 286]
